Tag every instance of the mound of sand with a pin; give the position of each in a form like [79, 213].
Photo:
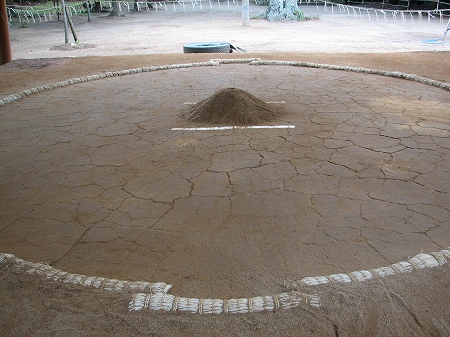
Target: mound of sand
[232, 106]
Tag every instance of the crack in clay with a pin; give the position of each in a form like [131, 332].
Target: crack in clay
[162, 300]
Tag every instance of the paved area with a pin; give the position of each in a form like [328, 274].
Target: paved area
[95, 181]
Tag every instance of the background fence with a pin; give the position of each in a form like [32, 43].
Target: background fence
[383, 10]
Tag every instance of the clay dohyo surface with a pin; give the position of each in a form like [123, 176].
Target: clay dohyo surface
[95, 181]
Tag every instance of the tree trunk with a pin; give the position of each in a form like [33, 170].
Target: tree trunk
[114, 9]
[283, 10]
[72, 28]
[66, 25]
[56, 4]
[88, 7]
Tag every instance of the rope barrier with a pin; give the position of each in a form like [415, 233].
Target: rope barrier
[28, 14]
[395, 14]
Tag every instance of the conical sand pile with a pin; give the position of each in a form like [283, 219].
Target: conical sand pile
[232, 107]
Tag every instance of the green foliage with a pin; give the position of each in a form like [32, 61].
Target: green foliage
[285, 15]
[298, 14]
[283, 10]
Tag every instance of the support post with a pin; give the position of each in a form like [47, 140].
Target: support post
[66, 25]
[88, 6]
[5, 42]
[69, 19]
[245, 13]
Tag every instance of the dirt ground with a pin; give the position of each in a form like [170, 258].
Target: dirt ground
[95, 181]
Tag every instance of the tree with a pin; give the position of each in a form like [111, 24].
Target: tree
[66, 24]
[279, 10]
[114, 8]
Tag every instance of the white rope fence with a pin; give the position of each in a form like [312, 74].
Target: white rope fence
[176, 5]
[29, 15]
[385, 14]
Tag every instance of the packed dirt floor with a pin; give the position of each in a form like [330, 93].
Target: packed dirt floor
[104, 178]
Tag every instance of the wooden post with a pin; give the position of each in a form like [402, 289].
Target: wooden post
[66, 26]
[69, 19]
[5, 42]
[245, 13]
[88, 5]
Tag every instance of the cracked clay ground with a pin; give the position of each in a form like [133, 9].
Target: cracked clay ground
[95, 181]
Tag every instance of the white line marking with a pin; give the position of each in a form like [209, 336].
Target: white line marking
[269, 102]
[214, 128]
